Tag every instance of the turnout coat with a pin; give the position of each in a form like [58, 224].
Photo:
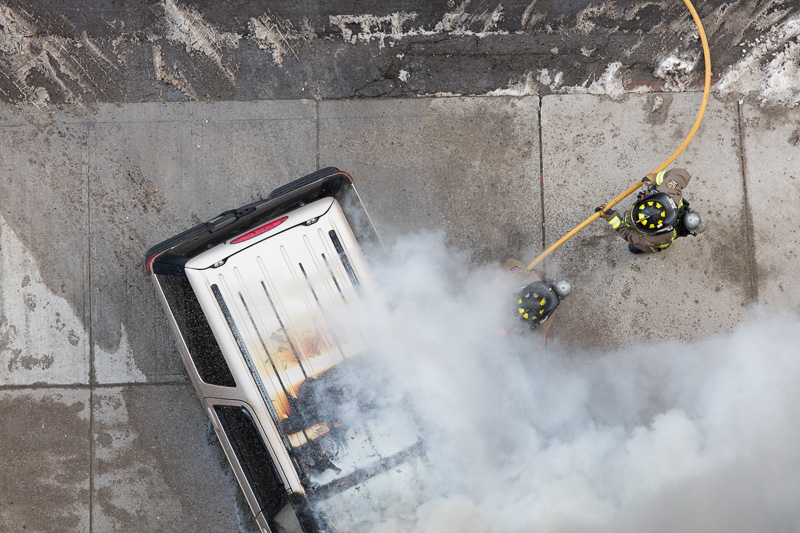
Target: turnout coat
[670, 182]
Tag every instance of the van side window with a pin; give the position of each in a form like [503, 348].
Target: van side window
[253, 457]
[196, 332]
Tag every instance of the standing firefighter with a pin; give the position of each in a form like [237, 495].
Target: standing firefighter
[535, 302]
[659, 216]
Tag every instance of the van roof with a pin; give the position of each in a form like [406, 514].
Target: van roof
[170, 256]
[224, 250]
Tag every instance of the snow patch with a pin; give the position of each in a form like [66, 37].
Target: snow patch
[582, 22]
[527, 86]
[373, 27]
[27, 52]
[770, 71]
[184, 25]
[96, 52]
[441, 94]
[610, 82]
[676, 70]
[279, 36]
[459, 20]
[529, 18]
[396, 26]
[171, 77]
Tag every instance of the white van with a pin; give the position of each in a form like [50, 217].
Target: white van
[252, 296]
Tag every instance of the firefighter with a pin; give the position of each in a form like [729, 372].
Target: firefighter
[659, 216]
[534, 303]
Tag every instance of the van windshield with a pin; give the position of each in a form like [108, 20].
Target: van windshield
[343, 427]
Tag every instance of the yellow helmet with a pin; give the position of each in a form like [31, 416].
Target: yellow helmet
[653, 213]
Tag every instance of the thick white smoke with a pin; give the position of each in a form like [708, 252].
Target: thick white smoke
[667, 437]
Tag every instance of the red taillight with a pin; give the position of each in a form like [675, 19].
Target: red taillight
[258, 231]
[150, 263]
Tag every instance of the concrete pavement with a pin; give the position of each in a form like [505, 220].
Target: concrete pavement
[703, 282]
[100, 428]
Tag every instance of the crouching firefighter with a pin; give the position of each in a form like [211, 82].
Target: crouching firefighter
[534, 303]
[659, 216]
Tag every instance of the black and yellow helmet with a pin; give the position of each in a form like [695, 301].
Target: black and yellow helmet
[653, 214]
[534, 303]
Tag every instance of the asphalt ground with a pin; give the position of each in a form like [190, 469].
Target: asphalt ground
[101, 430]
[94, 51]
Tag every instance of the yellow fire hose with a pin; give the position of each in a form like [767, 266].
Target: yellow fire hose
[663, 165]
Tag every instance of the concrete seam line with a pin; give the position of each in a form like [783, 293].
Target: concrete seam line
[750, 253]
[87, 152]
[93, 387]
[316, 131]
[541, 175]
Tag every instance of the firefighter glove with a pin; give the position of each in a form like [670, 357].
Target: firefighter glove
[604, 214]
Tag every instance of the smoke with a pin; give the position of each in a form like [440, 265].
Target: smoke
[665, 437]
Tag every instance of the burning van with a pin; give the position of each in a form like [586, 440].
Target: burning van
[255, 298]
